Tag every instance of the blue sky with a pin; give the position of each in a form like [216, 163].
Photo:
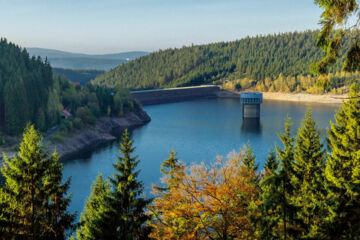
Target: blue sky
[107, 26]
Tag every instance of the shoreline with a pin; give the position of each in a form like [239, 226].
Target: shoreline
[105, 130]
[108, 129]
[291, 97]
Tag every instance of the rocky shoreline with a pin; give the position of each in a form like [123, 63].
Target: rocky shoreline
[106, 130]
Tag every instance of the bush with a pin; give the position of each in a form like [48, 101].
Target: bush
[85, 115]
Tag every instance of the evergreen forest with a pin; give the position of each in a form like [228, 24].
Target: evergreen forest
[252, 62]
[31, 93]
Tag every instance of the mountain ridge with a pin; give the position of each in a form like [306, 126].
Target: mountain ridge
[70, 60]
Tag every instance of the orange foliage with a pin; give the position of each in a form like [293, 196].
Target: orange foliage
[207, 202]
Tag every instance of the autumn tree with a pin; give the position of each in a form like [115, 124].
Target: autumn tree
[208, 202]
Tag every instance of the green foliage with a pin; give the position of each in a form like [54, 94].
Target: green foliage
[168, 168]
[269, 219]
[343, 170]
[309, 178]
[33, 199]
[335, 29]
[249, 60]
[124, 215]
[85, 115]
[25, 84]
[83, 76]
[93, 210]
[278, 218]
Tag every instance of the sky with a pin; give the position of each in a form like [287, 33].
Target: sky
[109, 26]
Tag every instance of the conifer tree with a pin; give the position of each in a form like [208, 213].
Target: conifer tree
[34, 198]
[249, 158]
[271, 164]
[169, 168]
[309, 178]
[270, 196]
[125, 216]
[93, 209]
[286, 189]
[343, 170]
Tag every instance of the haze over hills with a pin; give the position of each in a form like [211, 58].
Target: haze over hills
[69, 60]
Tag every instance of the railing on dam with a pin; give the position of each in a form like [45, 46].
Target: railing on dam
[158, 96]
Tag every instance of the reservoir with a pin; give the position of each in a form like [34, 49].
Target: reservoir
[198, 130]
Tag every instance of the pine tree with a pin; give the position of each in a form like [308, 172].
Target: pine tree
[125, 216]
[271, 164]
[286, 189]
[168, 168]
[93, 209]
[343, 170]
[309, 178]
[35, 199]
[249, 158]
[270, 196]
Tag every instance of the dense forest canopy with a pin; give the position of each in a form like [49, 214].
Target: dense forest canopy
[254, 58]
[31, 93]
[27, 90]
[82, 76]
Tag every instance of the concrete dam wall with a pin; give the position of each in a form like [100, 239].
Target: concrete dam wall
[158, 96]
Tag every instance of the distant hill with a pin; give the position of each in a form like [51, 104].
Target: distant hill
[259, 59]
[68, 60]
[83, 76]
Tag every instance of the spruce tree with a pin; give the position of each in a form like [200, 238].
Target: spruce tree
[34, 198]
[249, 158]
[286, 188]
[343, 170]
[94, 207]
[270, 196]
[308, 179]
[125, 216]
[168, 168]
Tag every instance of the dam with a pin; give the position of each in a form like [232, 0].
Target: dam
[168, 95]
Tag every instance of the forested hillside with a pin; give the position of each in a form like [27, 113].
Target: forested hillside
[82, 76]
[257, 58]
[30, 93]
[27, 90]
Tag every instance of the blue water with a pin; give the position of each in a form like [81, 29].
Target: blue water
[198, 131]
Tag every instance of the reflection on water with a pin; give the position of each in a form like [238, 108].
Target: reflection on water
[251, 125]
[199, 131]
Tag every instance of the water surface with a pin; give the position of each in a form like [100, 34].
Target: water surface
[198, 131]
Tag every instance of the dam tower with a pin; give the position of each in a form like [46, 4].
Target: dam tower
[251, 102]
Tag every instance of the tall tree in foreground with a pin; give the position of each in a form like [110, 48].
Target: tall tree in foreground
[343, 170]
[124, 216]
[33, 195]
[288, 223]
[270, 196]
[94, 207]
[309, 178]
